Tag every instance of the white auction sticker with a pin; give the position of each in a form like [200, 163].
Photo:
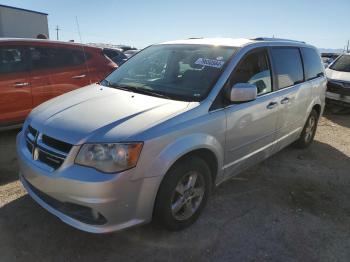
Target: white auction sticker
[209, 62]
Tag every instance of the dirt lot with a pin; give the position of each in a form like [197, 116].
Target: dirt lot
[292, 207]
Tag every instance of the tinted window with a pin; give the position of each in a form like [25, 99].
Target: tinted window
[116, 56]
[342, 64]
[80, 56]
[288, 66]
[254, 69]
[12, 60]
[312, 63]
[43, 57]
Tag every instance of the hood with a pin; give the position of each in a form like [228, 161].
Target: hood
[337, 75]
[101, 114]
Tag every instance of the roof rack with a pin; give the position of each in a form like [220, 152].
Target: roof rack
[275, 39]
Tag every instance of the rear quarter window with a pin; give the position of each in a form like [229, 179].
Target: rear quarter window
[312, 63]
[288, 66]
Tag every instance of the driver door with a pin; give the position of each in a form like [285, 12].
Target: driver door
[251, 126]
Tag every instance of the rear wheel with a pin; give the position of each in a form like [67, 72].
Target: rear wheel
[309, 131]
[183, 194]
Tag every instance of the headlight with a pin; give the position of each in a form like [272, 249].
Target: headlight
[109, 158]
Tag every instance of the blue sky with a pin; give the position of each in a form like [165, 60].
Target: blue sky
[324, 23]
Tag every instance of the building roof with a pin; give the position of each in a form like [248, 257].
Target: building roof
[21, 9]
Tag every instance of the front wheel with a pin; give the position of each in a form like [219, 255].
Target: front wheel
[183, 194]
[309, 131]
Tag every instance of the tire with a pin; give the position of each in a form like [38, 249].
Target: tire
[174, 203]
[309, 131]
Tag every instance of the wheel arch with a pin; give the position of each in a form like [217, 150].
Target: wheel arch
[204, 146]
[315, 104]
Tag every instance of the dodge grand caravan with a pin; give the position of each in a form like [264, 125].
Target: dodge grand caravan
[33, 71]
[153, 139]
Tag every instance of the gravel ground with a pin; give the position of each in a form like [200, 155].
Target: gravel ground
[292, 207]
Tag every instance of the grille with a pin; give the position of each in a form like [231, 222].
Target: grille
[342, 88]
[60, 145]
[32, 131]
[46, 149]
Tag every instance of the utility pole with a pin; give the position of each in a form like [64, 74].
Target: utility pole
[347, 47]
[57, 29]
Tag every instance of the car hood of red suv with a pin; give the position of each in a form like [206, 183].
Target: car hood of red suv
[101, 114]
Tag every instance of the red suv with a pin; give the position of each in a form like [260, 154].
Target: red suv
[33, 71]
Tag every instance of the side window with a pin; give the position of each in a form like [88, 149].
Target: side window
[312, 63]
[47, 57]
[79, 57]
[254, 69]
[12, 60]
[288, 66]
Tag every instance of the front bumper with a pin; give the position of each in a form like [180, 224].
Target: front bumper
[338, 98]
[338, 91]
[85, 198]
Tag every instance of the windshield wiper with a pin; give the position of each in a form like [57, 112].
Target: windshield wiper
[150, 92]
[137, 90]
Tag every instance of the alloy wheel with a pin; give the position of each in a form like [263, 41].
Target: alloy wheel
[187, 196]
[310, 128]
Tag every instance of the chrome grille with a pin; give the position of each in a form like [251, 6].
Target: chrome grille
[46, 149]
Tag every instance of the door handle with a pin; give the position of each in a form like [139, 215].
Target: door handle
[21, 84]
[78, 77]
[285, 100]
[272, 105]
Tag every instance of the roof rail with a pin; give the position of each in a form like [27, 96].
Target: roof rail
[195, 38]
[275, 39]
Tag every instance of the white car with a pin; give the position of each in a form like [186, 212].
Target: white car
[338, 74]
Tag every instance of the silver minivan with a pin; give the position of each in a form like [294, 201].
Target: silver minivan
[153, 139]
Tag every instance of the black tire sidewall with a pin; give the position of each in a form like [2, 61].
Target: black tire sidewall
[162, 210]
[301, 143]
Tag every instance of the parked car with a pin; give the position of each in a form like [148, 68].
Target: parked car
[33, 71]
[328, 58]
[131, 52]
[117, 56]
[338, 87]
[113, 52]
[326, 61]
[155, 137]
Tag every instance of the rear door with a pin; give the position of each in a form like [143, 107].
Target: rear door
[40, 74]
[15, 88]
[251, 126]
[56, 71]
[293, 93]
[314, 72]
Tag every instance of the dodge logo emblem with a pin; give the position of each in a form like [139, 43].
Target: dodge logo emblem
[36, 153]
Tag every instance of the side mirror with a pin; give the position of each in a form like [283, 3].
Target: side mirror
[242, 92]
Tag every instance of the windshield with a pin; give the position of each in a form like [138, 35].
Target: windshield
[179, 72]
[342, 64]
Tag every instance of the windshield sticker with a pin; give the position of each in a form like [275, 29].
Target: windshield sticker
[209, 62]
